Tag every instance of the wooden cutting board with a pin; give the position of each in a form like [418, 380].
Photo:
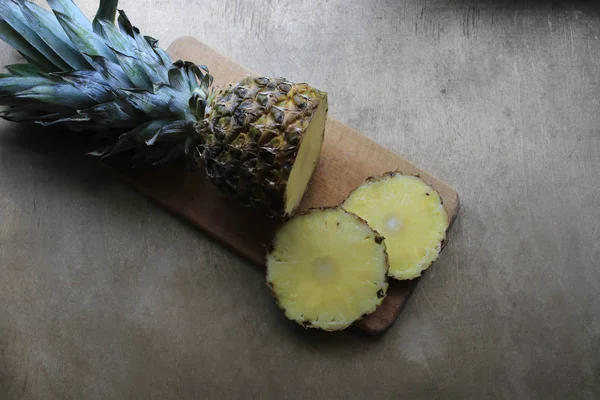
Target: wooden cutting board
[347, 159]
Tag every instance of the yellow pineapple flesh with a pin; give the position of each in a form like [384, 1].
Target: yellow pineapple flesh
[327, 268]
[409, 214]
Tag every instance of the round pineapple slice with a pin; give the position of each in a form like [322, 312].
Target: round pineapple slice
[410, 216]
[327, 268]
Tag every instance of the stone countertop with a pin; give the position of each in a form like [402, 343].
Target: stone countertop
[105, 295]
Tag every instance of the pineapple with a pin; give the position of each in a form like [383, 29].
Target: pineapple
[262, 123]
[327, 268]
[409, 214]
[259, 139]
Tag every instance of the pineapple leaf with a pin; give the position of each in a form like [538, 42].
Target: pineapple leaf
[154, 104]
[11, 13]
[137, 62]
[99, 118]
[26, 114]
[175, 131]
[69, 9]
[132, 68]
[112, 73]
[10, 85]
[47, 27]
[14, 39]
[24, 70]
[156, 72]
[173, 153]
[162, 55]
[107, 11]
[88, 82]
[134, 34]
[136, 137]
[115, 39]
[178, 79]
[86, 41]
[63, 95]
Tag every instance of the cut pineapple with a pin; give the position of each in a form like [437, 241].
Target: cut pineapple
[409, 214]
[306, 161]
[327, 268]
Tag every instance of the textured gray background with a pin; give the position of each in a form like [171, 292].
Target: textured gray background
[106, 296]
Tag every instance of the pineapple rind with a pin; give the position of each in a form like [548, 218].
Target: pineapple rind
[409, 213]
[353, 282]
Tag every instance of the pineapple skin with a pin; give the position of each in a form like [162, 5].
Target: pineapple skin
[377, 298]
[252, 135]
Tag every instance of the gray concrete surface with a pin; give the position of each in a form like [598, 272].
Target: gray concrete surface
[106, 296]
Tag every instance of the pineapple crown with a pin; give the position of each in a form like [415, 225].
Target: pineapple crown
[101, 77]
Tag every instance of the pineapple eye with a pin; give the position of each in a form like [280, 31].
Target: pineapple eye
[300, 102]
[284, 87]
[263, 99]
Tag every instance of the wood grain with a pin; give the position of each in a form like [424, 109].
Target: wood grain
[347, 159]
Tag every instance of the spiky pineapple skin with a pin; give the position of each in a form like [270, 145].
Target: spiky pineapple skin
[252, 136]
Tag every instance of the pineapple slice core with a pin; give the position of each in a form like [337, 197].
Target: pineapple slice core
[409, 214]
[327, 269]
[308, 155]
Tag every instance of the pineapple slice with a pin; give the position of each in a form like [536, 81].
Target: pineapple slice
[327, 268]
[409, 214]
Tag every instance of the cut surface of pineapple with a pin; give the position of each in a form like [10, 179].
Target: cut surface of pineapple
[306, 161]
[409, 214]
[327, 268]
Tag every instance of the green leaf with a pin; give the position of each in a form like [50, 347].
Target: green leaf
[156, 72]
[128, 30]
[155, 105]
[178, 78]
[49, 30]
[107, 11]
[164, 57]
[89, 82]
[134, 71]
[64, 95]
[137, 137]
[101, 118]
[116, 39]
[86, 41]
[175, 131]
[175, 152]
[134, 33]
[47, 18]
[11, 13]
[113, 73]
[24, 70]
[14, 39]
[26, 114]
[125, 52]
[10, 85]
[68, 8]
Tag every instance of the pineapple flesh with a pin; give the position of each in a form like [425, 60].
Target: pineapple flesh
[327, 268]
[409, 214]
